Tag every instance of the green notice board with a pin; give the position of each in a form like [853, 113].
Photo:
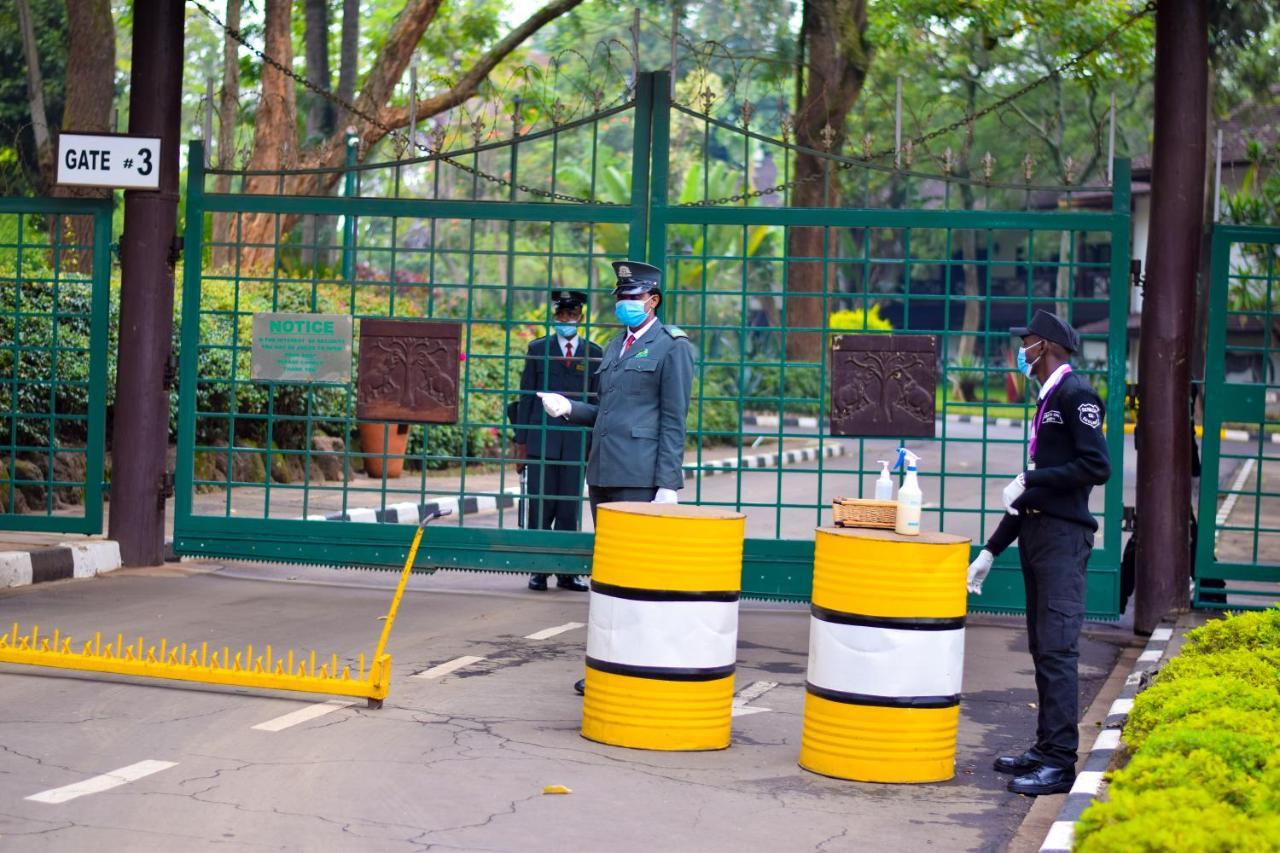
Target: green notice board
[302, 348]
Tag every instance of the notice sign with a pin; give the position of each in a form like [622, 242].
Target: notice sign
[302, 348]
[109, 160]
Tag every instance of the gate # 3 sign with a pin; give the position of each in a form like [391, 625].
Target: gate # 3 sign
[109, 160]
[302, 348]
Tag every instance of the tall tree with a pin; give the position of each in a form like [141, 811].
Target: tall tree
[348, 58]
[228, 115]
[35, 94]
[275, 137]
[835, 57]
[90, 88]
[317, 230]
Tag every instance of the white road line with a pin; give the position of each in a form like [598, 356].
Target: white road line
[1107, 739]
[105, 782]
[1151, 656]
[753, 691]
[1120, 706]
[301, 715]
[1162, 635]
[747, 711]
[448, 667]
[551, 632]
[1224, 512]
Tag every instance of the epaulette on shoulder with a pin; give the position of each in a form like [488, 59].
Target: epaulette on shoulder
[676, 332]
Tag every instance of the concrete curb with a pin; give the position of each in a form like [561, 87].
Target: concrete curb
[411, 513]
[812, 422]
[68, 560]
[768, 460]
[1089, 779]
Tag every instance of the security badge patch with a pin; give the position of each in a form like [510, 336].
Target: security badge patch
[1090, 415]
[1053, 416]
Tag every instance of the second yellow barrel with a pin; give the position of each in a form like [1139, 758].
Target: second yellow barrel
[663, 626]
[886, 651]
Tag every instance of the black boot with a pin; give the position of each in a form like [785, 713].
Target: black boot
[1044, 780]
[1017, 765]
[570, 582]
[538, 583]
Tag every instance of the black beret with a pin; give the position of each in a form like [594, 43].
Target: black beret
[1051, 328]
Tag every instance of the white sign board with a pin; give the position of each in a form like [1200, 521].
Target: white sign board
[109, 160]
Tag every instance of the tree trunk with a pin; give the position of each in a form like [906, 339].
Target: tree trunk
[275, 124]
[222, 254]
[35, 96]
[1062, 285]
[317, 231]
[968, 237]
[838, 58]
[90, 90]
[348, 59]
[275, 145]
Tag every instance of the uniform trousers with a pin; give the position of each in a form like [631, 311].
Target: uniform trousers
[1054, 555]
[554, 488]
[611, 494]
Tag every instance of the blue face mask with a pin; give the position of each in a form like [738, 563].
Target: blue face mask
[630, 312]
[566, 330]
[1027, 367]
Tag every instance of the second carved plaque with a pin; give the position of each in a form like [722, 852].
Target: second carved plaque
[883, 385]
[408, 371]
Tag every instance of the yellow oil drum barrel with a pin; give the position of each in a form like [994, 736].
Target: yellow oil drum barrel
[662, 633]
[886, 653]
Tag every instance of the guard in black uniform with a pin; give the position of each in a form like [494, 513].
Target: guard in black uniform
[1068, 457]
[555, 457]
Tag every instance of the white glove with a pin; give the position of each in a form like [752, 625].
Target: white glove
[1012, 492]
[978, 570]
[556, 405]
[665, 496]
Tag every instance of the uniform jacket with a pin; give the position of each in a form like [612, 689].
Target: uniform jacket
[545, 370]
[639, 421]
[1071, 454]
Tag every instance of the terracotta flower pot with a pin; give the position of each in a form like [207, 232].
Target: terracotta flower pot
[371, 442]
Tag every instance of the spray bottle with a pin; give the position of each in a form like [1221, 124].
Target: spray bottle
[884, 485]
[910, 499]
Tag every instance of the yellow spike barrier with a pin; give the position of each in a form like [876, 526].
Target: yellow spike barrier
[180, 663]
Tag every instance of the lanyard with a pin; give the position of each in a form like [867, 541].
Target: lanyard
[1039, 418]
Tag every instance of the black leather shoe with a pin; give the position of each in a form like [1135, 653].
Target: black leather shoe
[570, 582]
[1016, 765]
[538, 583]
[1043, 780]
[580, 686]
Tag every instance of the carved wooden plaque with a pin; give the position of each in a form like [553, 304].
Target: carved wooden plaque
[883, 385]
[408, 371]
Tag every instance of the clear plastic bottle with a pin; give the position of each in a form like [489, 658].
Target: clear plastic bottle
[910, 499]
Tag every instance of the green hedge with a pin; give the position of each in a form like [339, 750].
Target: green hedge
[1205, 773]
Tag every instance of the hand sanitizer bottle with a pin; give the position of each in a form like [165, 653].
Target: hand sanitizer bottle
[884, 485]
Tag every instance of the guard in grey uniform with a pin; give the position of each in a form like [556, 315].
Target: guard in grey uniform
[646, 378]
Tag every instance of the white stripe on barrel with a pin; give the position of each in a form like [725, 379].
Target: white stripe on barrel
[888, 662]
[677, 634]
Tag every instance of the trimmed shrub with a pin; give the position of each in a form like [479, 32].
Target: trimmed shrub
[1206, 773]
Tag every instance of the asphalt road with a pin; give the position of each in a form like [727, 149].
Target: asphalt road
[457, 761]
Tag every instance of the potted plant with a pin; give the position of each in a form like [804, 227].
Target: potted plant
[379, 441]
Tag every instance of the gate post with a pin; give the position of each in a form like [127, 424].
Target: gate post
[1164, 367]
[148, 252]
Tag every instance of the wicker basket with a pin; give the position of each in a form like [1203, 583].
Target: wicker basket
[858, 512]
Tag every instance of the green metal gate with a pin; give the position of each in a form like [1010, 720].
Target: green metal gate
[54, 317]
[1239, 512]
[432, 237]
